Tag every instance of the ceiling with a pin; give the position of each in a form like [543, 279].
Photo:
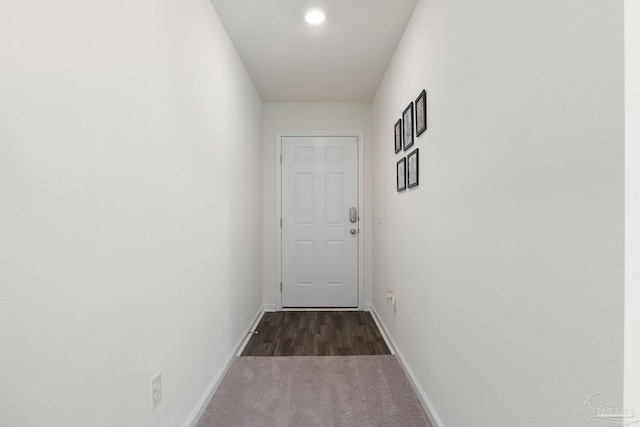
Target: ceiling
[341, 60]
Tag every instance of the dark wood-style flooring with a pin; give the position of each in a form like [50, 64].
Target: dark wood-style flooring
[316, 333]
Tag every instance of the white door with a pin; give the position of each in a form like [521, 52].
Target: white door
[319, 227]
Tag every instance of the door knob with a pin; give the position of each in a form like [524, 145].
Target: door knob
[353, 231]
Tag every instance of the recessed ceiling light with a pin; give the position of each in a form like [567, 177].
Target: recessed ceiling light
[314, 17]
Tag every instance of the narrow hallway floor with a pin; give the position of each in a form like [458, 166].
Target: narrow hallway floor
[316, 333]
[367, 388]
[315, 391]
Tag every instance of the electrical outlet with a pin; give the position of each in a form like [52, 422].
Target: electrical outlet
[156, 391]
[392, 299]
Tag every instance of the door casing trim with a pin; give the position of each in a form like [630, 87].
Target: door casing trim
[361, 211]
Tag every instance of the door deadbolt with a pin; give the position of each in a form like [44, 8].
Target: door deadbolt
[353, 215]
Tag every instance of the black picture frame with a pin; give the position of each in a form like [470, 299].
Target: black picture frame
[401, 174]
[421, 113]
[397, 132]
[413, 169]
[407, 126]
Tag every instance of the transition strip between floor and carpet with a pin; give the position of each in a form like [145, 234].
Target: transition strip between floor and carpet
[315, 391]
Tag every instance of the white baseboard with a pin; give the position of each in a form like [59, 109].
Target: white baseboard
[215, 383]
[270, 308]
[247, 336]
[422, 396]
[383, 330]
[367, 306]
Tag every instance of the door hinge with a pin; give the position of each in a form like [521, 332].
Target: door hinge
[280, 286]
[280, 222]
[280, 158]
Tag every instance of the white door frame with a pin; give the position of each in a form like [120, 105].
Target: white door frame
[359, 134]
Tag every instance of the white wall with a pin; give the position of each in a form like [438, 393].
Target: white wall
[308, 117]
[632, 209]
[508, 258]
[130, 225]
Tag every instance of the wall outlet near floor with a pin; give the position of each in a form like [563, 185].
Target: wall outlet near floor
[391, 298]
[156, 391]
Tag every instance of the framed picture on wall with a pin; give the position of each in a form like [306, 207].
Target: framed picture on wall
[407, 126]
[413, 168]
[397, 131]
[401, 174]
[421, 113]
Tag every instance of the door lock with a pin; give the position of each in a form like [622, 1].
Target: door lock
[353, 231]
[353, 215]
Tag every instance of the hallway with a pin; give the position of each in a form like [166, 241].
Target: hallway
[139, 217]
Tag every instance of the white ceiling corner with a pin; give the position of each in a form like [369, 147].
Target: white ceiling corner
[342, 60]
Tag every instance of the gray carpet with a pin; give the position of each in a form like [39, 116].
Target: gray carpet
[315, 391]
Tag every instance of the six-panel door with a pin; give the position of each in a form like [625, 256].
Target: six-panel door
[319, 241]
